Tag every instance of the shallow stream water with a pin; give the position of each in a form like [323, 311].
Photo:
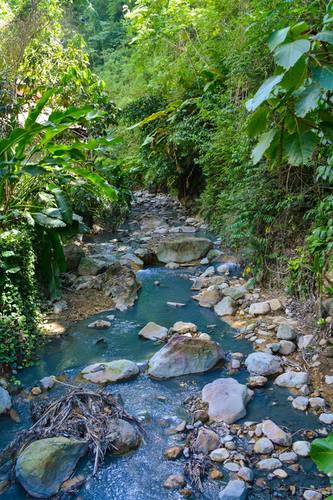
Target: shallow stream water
[140, 474]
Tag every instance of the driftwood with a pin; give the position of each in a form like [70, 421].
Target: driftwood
[82, 414]
[197, 464]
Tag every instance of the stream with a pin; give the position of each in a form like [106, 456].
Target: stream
[140, 474]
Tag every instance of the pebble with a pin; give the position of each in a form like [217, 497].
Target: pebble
[264, 446]
[174, 482]
[329, 379]
[317, 402]
[326, 418]
[275, 433]
[312, 495]
[219, 455]
[232, 466]
[36, 391]
[300, 403]
[47, 382]
[215, 474]
[288, 457]
[246, 474]
[269, 464]
[173, 453]
[280, 473]
[302, 448]
[235, 490]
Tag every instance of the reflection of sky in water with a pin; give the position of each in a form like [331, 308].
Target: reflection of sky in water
[140, 475]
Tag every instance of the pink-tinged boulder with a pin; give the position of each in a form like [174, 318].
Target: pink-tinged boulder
[227, 400]
[183, 355]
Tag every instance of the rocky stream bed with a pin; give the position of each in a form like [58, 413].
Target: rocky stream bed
[198, 383]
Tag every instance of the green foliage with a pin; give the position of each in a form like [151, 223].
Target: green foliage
[19, 312]
[322, 454]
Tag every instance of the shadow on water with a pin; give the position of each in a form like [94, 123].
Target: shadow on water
[140, 475]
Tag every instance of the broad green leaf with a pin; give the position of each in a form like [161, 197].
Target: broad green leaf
[63, 205]
[324, 76]
[308, 100]
[321, 453]
[325, 36]
[13, 270]
[299, 28]
[262, 146]
[45, 221]
[300, 146]
[8, 253]
[263, 93]
[277, 37]
[295, 76]
[288, 54]
[257, 122]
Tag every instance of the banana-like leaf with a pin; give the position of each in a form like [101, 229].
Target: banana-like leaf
[95, 179]
[321, 453]
[63, 205]
[33, 115]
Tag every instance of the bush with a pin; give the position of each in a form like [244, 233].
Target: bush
[19, 304]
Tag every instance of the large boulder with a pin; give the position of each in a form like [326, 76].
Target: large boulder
[5, 401]
[183, 249]
[113, 371]
[120, 283]
[152, 331]
[227, 400]
[263, 363]
[183, 355]
[124, 436]
[45, 464]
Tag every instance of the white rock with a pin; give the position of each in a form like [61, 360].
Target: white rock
[232, 466]
[226, 307]
[269, 464]
[302, 448]
[235, 490]
[285, 332]
[275, 433]
[259, 308]
[219, 455]
[288, 457]
[292, 379]
[280, 473]
[304, 341]
[152, 331]
[263, 363]
[227, 399]
[329, 379]
[264, 446]
[182, 327]
[100, 324]
[317, 402]
[275, 305]
[300, 403]
[246, 474]
[257, 381]
[286, 347]
[326, 418]
[312, 495]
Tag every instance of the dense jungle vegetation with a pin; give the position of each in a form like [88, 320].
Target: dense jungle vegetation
[227, 104]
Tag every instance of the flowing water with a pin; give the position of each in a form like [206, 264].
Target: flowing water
[140, 474]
